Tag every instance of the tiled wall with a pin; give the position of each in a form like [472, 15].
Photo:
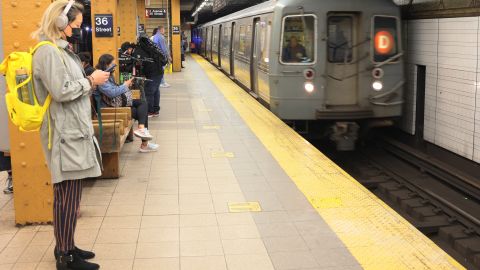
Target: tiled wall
[449, 50]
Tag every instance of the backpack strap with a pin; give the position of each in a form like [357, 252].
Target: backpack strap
[48, 100]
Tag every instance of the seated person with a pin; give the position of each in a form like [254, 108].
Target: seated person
[294, 52]
[114, 95]
[126, 63]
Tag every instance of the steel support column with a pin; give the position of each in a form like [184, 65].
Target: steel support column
[127, 20]
[102, 45]
[33, 197]
[176, 37]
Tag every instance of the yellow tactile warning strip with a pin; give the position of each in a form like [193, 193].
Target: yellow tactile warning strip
[238, 207]
[375, 234]
[223, 155]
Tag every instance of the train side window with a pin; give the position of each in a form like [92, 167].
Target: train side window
[266, 42]
[226, 39]
[298, 39]
[214, 44]
[242, 40]
[340, 36]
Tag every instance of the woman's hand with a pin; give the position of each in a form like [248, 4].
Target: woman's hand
[100, 77]
[129, 82]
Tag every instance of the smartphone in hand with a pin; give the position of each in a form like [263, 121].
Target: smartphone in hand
[110, 69]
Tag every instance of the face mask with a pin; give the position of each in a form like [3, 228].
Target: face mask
[76, 35]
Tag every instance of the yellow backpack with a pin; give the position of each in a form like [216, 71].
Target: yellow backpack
[22, 104]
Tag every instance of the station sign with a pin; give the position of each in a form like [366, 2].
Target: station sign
[176, 29]
[103, 25]
[141, 28]
[155, 13]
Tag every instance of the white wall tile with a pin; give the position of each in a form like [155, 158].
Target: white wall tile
[422, 39]
[449, 48]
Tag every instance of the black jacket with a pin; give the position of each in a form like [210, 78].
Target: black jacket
[89, 70]
[149, 69]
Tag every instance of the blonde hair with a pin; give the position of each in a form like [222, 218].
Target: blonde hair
[48, 28]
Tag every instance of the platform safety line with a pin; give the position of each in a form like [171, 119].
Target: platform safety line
[377, 236]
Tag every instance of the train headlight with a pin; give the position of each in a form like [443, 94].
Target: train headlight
[309, 87]
[377, 85]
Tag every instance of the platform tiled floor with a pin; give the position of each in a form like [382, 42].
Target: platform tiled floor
[169, 210]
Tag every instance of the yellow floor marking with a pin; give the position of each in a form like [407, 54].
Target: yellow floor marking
[238, 207]
[223, 155]
[211, 127]
[375, 234]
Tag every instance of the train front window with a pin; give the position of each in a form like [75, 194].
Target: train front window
[340, 38]
[385, 38]
[298, 39]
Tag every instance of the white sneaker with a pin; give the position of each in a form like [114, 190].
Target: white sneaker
[151, 147]
[143, 134]
[164, 85]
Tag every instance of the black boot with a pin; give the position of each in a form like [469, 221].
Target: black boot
[72, 261]
[86, 255]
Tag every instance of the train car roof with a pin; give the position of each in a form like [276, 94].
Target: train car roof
[262, 8]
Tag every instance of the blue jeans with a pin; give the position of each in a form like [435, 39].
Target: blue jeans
[152, 93]
[163, 77]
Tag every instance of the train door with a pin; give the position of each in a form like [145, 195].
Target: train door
[210, 49]
[219, 48]
[232, 50]
[207, 42]
[342, 61]
[254, 56]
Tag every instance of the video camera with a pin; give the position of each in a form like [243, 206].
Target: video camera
[145, 52]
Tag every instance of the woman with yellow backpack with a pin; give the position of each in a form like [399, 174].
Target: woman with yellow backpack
[74, 153]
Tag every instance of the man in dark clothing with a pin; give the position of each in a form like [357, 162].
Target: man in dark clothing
[294, 52]
[86, 59]
[125, 61]
[153, 70]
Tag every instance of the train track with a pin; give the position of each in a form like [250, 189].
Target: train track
[440, 201]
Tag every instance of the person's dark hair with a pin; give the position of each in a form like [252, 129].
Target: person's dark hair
[155, 31]
[74, 11]
[85, 57]
[126, 45]
[104, 61]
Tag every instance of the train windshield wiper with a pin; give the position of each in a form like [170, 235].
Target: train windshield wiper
[389, 60]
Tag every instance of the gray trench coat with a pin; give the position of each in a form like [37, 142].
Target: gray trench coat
[75, 153]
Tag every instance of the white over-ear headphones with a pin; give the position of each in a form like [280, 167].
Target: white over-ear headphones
[62, 20]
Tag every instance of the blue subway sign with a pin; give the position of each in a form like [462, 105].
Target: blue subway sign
[103, 25]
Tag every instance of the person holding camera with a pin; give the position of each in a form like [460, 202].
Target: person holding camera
[114, 95]
[74, 153]
[151, 66]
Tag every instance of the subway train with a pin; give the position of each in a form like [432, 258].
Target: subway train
[332, 67]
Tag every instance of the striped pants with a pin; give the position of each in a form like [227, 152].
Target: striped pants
[66, 203]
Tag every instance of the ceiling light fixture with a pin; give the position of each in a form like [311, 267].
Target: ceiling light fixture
[205, 2]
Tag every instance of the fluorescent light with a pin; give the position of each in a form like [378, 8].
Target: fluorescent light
[204, 3]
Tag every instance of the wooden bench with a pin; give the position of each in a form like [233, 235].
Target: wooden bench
[117, 127]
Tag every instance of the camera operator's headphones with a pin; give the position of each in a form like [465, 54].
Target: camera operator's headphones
[62, 20]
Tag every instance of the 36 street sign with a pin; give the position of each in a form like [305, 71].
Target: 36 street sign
[103, 25]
